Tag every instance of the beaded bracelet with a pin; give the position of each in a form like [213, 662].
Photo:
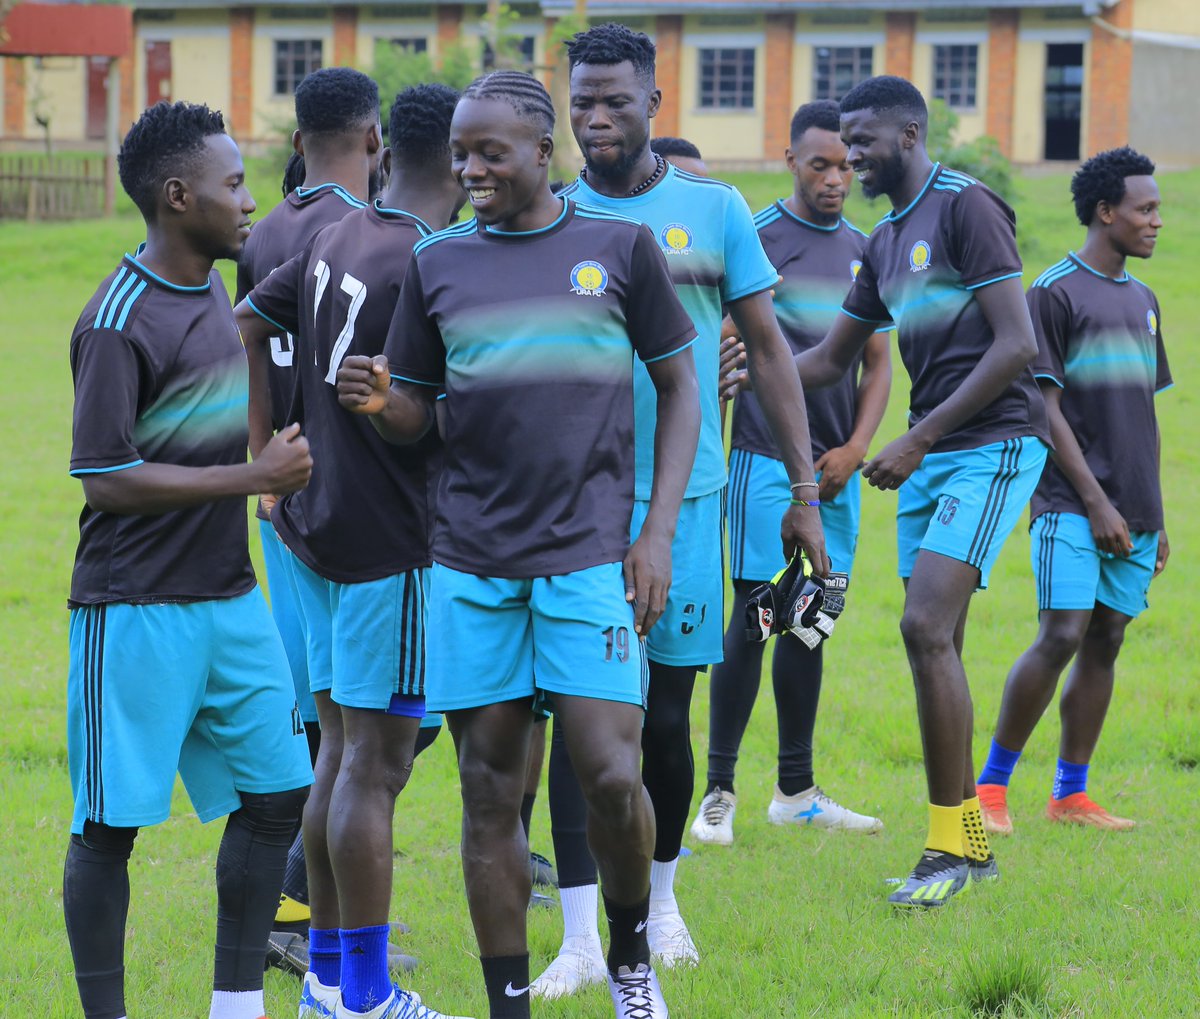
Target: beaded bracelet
[806, 502]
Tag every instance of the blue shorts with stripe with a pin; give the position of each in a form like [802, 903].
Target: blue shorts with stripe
[759, 495]
[282, 597]
[366, 641]
[200, 687]
[691, 628]
[498, 639]
[963, 504]
[1071, 573]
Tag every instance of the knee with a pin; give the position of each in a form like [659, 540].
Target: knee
[1104, 639]
[273, 816]
[102, 842]
[491, 797]
[1057, 642]
[925, 630]
[386, 767]
[611, 789]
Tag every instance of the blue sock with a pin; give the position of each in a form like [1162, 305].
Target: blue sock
[366, 983]
[998, 768]
[1069, 778]
[325, 956]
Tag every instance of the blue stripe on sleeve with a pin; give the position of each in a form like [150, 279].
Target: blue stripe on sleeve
[262, 314]
[106, 470]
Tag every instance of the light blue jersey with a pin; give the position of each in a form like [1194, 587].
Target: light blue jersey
[705, 229]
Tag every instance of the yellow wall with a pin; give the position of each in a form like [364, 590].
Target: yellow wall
[810, 36]
[971, 122]
[200, 70]
[1028, 116]
[721, 134]
[57, 89]
[276, 114]
[1175, 16]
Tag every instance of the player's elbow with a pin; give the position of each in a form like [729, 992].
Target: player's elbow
[105, 494]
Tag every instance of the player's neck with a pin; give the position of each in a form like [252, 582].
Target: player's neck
[350, 174]
[621, 183]
[1098, 254]
[170, 257]
[537, 215]
[431, 201]
[796, 204]
[916, 176]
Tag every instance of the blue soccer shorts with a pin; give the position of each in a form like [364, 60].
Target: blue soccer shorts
[281, 595]
[495, 639]
[365, 641]
[691, 629]
[759, 495]
[201, 688]
[963, 504]
[1071, 573]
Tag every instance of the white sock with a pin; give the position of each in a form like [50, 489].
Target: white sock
[580, 910]
[237, 1005]
[662, 885]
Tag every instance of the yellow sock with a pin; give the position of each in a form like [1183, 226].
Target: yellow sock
[291, 911]
[974, 836]
[945, 829]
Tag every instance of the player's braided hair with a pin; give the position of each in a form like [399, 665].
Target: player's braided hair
[1102, 179]
[887, 94]
[610, 44]
[293, 173]
[335, 100]
[419, 124]
[523, 92]
[165, 142]
[823, 115]
[668, 146]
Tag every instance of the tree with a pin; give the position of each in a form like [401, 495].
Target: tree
[980, 158]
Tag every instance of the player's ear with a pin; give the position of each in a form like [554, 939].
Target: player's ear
[789, 157]
[545, 149]
[374, 138]
[910, 134]
[1104, 212]
[175, 194]
[655, 103]
[385, 162]
[297, 142]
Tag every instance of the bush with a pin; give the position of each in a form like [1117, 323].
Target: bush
[980, 158]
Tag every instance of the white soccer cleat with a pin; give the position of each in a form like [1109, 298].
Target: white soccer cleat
[714, 822]
[317, 1001]
[636, 994]
[813, 809]
[671, 943]
[580, 962]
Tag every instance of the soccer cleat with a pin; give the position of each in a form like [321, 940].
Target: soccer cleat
[542, 871]
[317, 1001]
[287, 951]
[984, 870]
[935, 879]
[993, 805]
[670, 942]
[636, 993]
[539, 901]
[1079, 808]
[580, 962]
[813, 809]
[401, 1005]
[714, 822]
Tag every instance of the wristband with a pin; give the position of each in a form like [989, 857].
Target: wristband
[806, 502]
[803, 484]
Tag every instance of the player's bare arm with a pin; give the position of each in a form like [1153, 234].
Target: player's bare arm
[839, 464]
[1014, 346]
[401, 412]
[283, 466]
[1164, 546]
[782, 399]
[676, 435]
[830, 359]
[1109, 529]
[256, 335]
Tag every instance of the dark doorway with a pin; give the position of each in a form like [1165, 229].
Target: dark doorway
[1064, 100]
[158, 71]
[97, 96]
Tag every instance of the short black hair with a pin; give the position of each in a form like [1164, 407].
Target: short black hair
[887, 94]
[293, 173]
[822, 114]
[613, 43]
[523, 92]
[165, 142]
[334, 100]
[419, 124]
[1102, 179]
[668, 146]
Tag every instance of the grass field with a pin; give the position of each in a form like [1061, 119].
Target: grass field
[789, 923]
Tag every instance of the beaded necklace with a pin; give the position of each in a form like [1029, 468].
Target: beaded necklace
[660, 166]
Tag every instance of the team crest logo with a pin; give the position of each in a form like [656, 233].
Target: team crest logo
[855, 265]
[1152, 322]
[589, 279]
[676, 239]
[919, 257]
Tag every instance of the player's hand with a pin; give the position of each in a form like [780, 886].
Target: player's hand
[893, 465]
[648, 579]
[363, 383]
[1164, 553]
[801, 529]
[266, 503]
[836, 466]
[732, 376]
[285, 464]
[1109, 530]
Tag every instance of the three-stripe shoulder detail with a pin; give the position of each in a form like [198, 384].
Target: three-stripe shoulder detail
[767, 216]
[123, 293]
[593, 212]
[461, 230]
[1057, 271]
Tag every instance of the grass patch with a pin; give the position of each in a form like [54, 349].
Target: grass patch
[1010, 982]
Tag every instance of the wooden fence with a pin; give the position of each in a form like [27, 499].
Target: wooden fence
[51, 187]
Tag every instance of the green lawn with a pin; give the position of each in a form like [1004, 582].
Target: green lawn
[789, 923]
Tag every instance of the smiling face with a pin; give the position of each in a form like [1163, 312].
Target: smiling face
[875, 150]
[500, 158]
[1132, 224]
[218, 217]
[611, 109]
[817, 160]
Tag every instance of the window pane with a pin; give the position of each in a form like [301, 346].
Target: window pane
[726, 79]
